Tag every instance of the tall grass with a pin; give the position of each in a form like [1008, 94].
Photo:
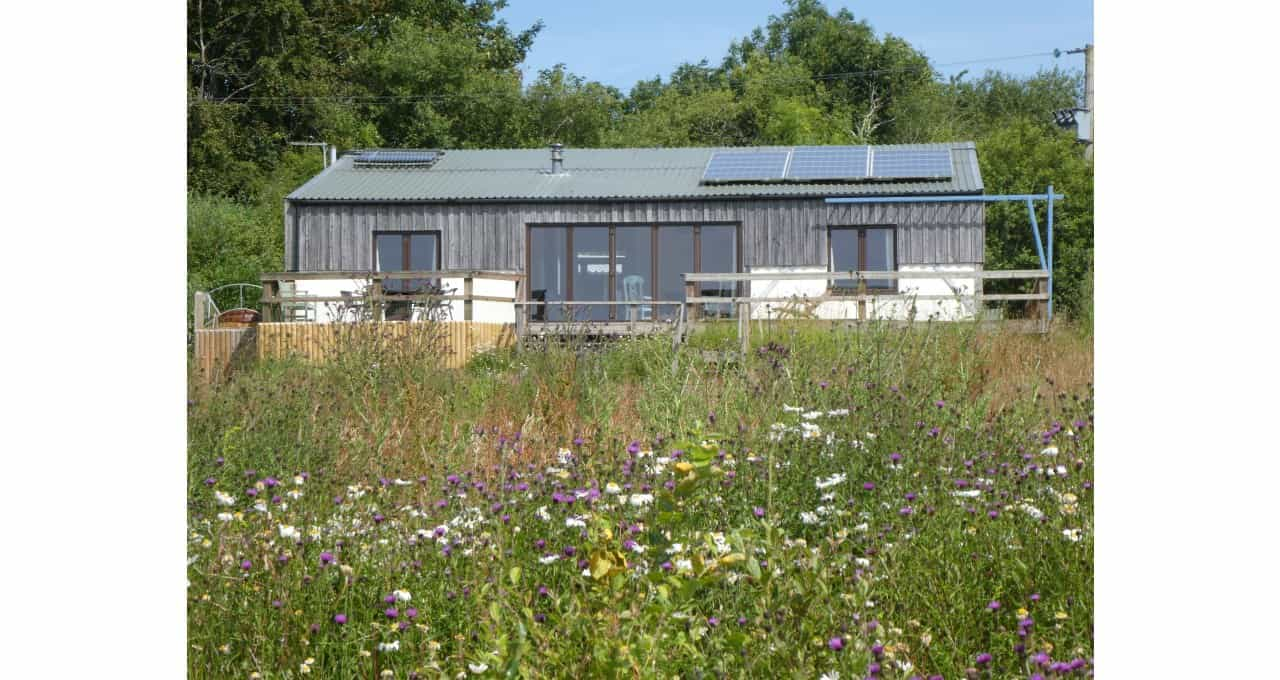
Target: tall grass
[903, 551]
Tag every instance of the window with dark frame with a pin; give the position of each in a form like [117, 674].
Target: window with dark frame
[405, 251]
[862, 249]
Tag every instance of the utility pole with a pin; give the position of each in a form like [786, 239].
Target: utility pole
[1088, 96]
[1084, 135]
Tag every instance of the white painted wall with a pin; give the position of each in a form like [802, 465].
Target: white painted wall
[950, 282]
[481, 310]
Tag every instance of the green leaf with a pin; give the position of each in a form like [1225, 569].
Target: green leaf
[514, 575]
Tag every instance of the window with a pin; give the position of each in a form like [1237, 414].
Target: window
[863, 249]
[405, 251]
[626, 263]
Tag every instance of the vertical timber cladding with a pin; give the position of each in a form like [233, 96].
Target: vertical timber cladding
[490, 236]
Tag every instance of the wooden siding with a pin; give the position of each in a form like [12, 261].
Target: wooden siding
[775, 232]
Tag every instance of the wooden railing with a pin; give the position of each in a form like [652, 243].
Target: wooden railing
[375, 297]
[862, 294]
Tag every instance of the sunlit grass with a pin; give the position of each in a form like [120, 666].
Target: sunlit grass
[881, 503]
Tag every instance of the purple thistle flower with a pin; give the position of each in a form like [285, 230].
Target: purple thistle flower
[982, 659]
[906, 511]
[326, 558]
[939, 403]
[666, 566]
[877, 650]
[340, 619]
[895, 457]
[540, 617]
[391, 611]
[271, 482]
[277, 604]
[246, 565]
[210, 481]
[993, 605]
[390, 599]
[742, 620]
[868, 486]
[218, 461]
[1035, 597]
[411, 612]
[873, 668]
[758, 511]
[836, 644]
[251, 492]
[713, 622]
[577, 441]
[633, 448]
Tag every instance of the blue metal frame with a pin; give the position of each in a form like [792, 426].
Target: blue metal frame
[1046, 262]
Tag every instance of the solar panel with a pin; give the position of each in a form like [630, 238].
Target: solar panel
[828, 162]
[916, 164]
[397, 157]
[738, 166]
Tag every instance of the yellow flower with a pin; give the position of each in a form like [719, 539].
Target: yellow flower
[1022, 612]
[683, 466]
[225, 649]
[365, 652]
[304, 669]
[255, 676]
[1061, 616]
[309, 661]
[204, 598]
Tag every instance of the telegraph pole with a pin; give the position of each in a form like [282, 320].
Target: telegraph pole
[1088, 96]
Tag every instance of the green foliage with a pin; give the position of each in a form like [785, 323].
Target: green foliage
[444, 73]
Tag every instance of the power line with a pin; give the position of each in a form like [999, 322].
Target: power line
[505, 94]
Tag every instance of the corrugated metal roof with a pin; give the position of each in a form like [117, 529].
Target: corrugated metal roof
[599, 174]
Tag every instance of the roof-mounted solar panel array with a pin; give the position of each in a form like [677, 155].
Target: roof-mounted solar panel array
[911, 164]
[827, 164]
[396, 159]
[746, 166]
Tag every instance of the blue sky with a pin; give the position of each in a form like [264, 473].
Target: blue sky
[618, 43]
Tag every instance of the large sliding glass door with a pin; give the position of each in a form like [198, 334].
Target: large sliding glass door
[633, 262]
[718, 253]
[675, 259]
[640, 264]
[548, 272]
[591, 272]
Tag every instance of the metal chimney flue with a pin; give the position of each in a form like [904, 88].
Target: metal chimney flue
[557, 158]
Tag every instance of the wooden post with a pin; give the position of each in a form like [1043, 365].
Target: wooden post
[862, 300]
[691, 309]
[467, 291]
[979, 312]
[744, 327]
[1042, 307]
[519, 310]
[374, 299]
[270, 290]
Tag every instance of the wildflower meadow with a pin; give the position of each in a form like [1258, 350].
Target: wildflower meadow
[885, 503]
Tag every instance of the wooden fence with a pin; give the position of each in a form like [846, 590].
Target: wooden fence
[453, 343]
[215, 348]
